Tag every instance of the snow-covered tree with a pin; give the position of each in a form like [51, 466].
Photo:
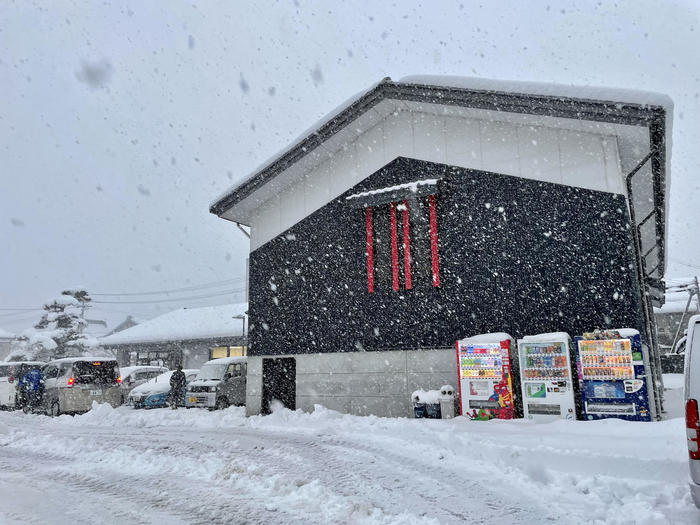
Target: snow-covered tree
[59, 332]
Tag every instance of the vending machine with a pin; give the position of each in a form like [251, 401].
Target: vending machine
[549, 382]
[486, 377]
[614, 376]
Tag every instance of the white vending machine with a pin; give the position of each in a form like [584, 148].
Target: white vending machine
[549, 382]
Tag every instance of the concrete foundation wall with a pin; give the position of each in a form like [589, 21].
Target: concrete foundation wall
[361, 383]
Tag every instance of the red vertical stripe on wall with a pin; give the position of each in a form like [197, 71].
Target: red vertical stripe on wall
[407, 248]
[434, 240]
[394, 249]
[370, 250]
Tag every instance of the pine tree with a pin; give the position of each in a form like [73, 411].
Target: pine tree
[63, 322]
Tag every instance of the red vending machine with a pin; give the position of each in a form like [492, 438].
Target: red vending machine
[487, 381]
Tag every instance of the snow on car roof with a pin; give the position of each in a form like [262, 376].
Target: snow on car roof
[163, 380]
[87, 359]
[126, 370]
[185, 324]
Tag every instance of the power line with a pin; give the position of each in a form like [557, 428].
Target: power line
[172, 290]
[172, 299]
[20, 308]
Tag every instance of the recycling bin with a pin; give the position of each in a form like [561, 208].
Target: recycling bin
[447, 402]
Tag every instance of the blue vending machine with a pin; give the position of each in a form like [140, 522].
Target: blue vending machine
[613, 371]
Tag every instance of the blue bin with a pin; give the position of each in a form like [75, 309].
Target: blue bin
[419, 411]
[432, 411]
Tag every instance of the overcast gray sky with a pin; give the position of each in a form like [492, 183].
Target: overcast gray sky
[120, 121]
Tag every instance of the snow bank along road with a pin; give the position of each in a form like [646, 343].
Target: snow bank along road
[190, 466]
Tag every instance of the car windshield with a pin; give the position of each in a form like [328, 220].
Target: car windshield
[212, 371]
[96, 372]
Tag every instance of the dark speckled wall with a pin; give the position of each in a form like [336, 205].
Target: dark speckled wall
[516, 255]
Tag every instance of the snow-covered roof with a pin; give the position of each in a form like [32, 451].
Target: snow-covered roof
[547, 89]
[206, 322]
[641, 121]
[576, 102]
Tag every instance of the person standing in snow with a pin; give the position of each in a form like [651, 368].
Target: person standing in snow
[177, 387]
[32, 387]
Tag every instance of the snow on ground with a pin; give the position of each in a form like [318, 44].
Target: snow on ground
[193, 466]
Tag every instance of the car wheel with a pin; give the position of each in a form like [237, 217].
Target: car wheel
[221, 403]
[55, 409]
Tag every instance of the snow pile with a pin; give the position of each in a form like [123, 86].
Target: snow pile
[429, 397]
[330, 467]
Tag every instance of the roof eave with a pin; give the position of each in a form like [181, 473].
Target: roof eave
[545, 105]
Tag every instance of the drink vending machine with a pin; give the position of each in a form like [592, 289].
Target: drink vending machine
[549, 384]
[486, 377]
[614, 376]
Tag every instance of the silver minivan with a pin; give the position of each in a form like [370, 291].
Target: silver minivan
[219, 383]
[692, 400]
[73, 383]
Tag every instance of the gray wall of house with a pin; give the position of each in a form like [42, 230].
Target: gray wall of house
[360, 383]
[191, 354]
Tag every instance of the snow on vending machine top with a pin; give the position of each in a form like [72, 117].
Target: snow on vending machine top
[614, 376]
[486, 377]
[548, 385]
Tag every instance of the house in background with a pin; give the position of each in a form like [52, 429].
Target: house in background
[5, 343]
[673, 315]
[435, 208]
[188, 336]
[126, 323]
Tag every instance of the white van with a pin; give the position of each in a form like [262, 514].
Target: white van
[692, 399]
[71, 384]
[10, 374]
[219, 384]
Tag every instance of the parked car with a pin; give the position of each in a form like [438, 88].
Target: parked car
[154, 393]
[692, 398]
[73, 383]
[10, 374]
[219, 383]
[133, 376]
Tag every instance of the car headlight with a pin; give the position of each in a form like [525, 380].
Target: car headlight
[212, 389]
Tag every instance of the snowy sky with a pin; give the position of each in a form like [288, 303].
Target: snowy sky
[121, 121]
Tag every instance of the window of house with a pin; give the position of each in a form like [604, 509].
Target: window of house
[402, 244]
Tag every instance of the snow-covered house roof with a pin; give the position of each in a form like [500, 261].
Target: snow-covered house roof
[208, 322]
[638, 122]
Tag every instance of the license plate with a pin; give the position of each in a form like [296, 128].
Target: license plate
[193, 399]
[95, 392]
